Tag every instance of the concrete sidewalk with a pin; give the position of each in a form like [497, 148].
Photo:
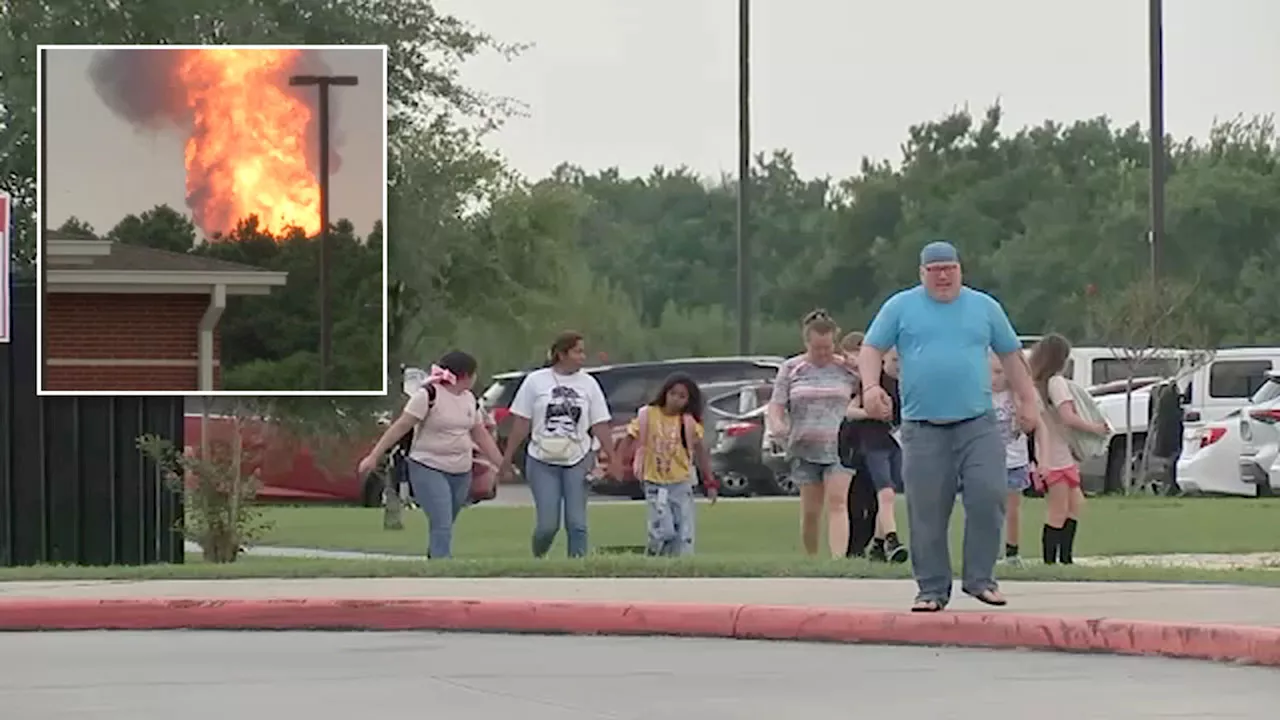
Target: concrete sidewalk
[1182, 603]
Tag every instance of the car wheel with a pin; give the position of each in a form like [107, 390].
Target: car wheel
[734, 484]
[1114, 482]
[785, 485]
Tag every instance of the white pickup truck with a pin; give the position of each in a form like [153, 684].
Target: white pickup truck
[1212, 387]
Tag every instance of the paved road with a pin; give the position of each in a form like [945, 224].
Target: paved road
[339, 676]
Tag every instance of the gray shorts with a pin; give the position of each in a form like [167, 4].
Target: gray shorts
[804, 472]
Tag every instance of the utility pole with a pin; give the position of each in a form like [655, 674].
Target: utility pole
[42, 216]
[1155, 62]
[323, 83]
[744, 177]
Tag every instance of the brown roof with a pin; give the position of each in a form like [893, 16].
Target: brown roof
[138, 257]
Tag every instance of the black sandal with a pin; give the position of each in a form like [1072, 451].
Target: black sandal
[928, 606]
[990, 597]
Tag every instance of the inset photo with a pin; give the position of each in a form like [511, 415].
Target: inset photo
[213, 220]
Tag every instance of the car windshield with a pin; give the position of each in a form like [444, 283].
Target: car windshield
[1269, 391]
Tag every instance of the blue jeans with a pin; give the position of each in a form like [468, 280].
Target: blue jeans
[670, 518]
[884, 465]
[442, 496]
[556, 489]
[936, 459]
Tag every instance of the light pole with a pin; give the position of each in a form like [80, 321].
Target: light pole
[323, 83]
[1155, 67]
[744, 176]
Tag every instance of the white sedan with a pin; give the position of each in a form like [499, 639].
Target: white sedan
[1260, 433]
[1210, 460]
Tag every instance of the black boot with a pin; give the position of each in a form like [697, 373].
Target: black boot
[1050, 539]
[1068, 542]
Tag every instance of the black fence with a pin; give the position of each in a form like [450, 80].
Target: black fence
[74, 488]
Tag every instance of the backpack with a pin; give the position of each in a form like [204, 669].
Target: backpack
[687, 431]
[1084, 445]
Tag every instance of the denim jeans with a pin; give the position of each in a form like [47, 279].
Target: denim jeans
[884, 465]
[936, 461]
[559, 489]
[441, 495]
[670, 518]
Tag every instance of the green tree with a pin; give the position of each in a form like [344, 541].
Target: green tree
[161, 227]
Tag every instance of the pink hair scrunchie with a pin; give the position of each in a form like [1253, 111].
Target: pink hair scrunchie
[440, 376]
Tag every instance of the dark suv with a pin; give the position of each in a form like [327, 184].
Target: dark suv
[631, 385]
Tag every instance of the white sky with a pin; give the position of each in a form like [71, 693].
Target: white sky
[639, 83]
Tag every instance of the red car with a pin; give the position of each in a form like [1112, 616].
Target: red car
[290, 472]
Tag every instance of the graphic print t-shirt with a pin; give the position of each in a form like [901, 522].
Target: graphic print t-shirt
[560, 406]
[666, 460]
[1016, 452]
[815, 398]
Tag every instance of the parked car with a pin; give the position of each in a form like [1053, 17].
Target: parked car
[628, 386]
[1213, 388]
[1260, 443]
[743, 458]
[1239, 455]
[1210, 459]
[289, 470]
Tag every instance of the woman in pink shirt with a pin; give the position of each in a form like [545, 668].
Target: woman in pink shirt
[447, 426]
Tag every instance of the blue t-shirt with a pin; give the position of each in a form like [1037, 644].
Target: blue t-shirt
[942, 348]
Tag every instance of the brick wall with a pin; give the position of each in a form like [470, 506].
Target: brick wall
[82, 327]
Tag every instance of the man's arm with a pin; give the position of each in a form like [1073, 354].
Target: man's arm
[870, 364]
[1005, 343]
[881, 336]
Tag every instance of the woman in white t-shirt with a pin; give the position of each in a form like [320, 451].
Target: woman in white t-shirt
[1056, 468]
[559, 408]
[448, 426]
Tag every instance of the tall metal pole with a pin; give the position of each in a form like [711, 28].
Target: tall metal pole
[744, 176]
[1155, 42]
[323, 83]
[326, 319]
[42, 217]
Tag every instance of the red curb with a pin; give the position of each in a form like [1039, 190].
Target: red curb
[1253, 645]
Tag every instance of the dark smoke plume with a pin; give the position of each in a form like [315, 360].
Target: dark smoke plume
[144, 88]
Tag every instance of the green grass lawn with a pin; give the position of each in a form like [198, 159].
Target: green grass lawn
[735, 539]
[739, 530]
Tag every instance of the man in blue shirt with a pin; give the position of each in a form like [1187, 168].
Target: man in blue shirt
[943, 332]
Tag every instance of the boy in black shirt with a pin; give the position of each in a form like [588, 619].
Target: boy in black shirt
[862, 504]
[882, 456]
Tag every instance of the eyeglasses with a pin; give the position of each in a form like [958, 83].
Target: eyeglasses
[941, 269]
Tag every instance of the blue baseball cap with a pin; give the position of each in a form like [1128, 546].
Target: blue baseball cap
[939, 251]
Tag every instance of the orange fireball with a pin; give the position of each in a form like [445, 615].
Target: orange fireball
[247, 152]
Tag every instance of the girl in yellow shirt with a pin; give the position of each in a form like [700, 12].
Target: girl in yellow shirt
[667, 436]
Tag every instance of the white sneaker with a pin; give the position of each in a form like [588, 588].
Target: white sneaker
[1012, 561]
